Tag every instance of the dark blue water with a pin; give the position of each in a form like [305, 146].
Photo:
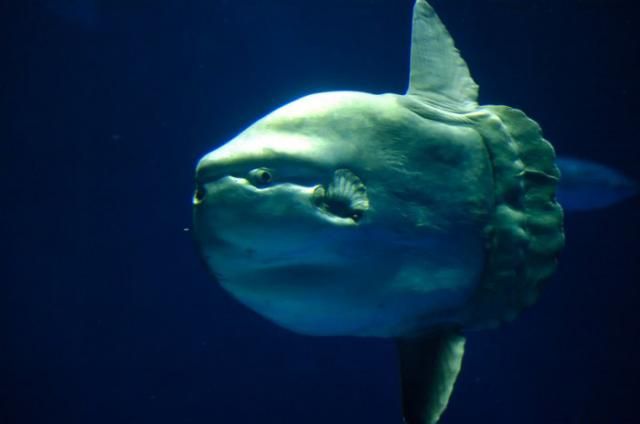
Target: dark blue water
[108, 315]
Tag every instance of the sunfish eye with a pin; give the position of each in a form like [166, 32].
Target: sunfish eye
[260, 176]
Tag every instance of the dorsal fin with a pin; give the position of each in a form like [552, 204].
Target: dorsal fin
[439, 75]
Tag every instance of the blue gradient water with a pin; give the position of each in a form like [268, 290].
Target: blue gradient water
[108, 315]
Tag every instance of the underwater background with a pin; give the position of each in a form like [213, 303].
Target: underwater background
[108, 315]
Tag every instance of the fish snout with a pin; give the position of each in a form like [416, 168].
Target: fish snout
[243, 211]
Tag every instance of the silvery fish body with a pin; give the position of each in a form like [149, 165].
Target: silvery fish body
[404, 216]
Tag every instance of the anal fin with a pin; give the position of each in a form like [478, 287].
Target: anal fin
[429, 366]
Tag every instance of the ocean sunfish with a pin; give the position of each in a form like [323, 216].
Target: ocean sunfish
[410, 217]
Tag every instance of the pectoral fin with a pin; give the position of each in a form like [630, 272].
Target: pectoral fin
[587, 185]
[429, 366]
